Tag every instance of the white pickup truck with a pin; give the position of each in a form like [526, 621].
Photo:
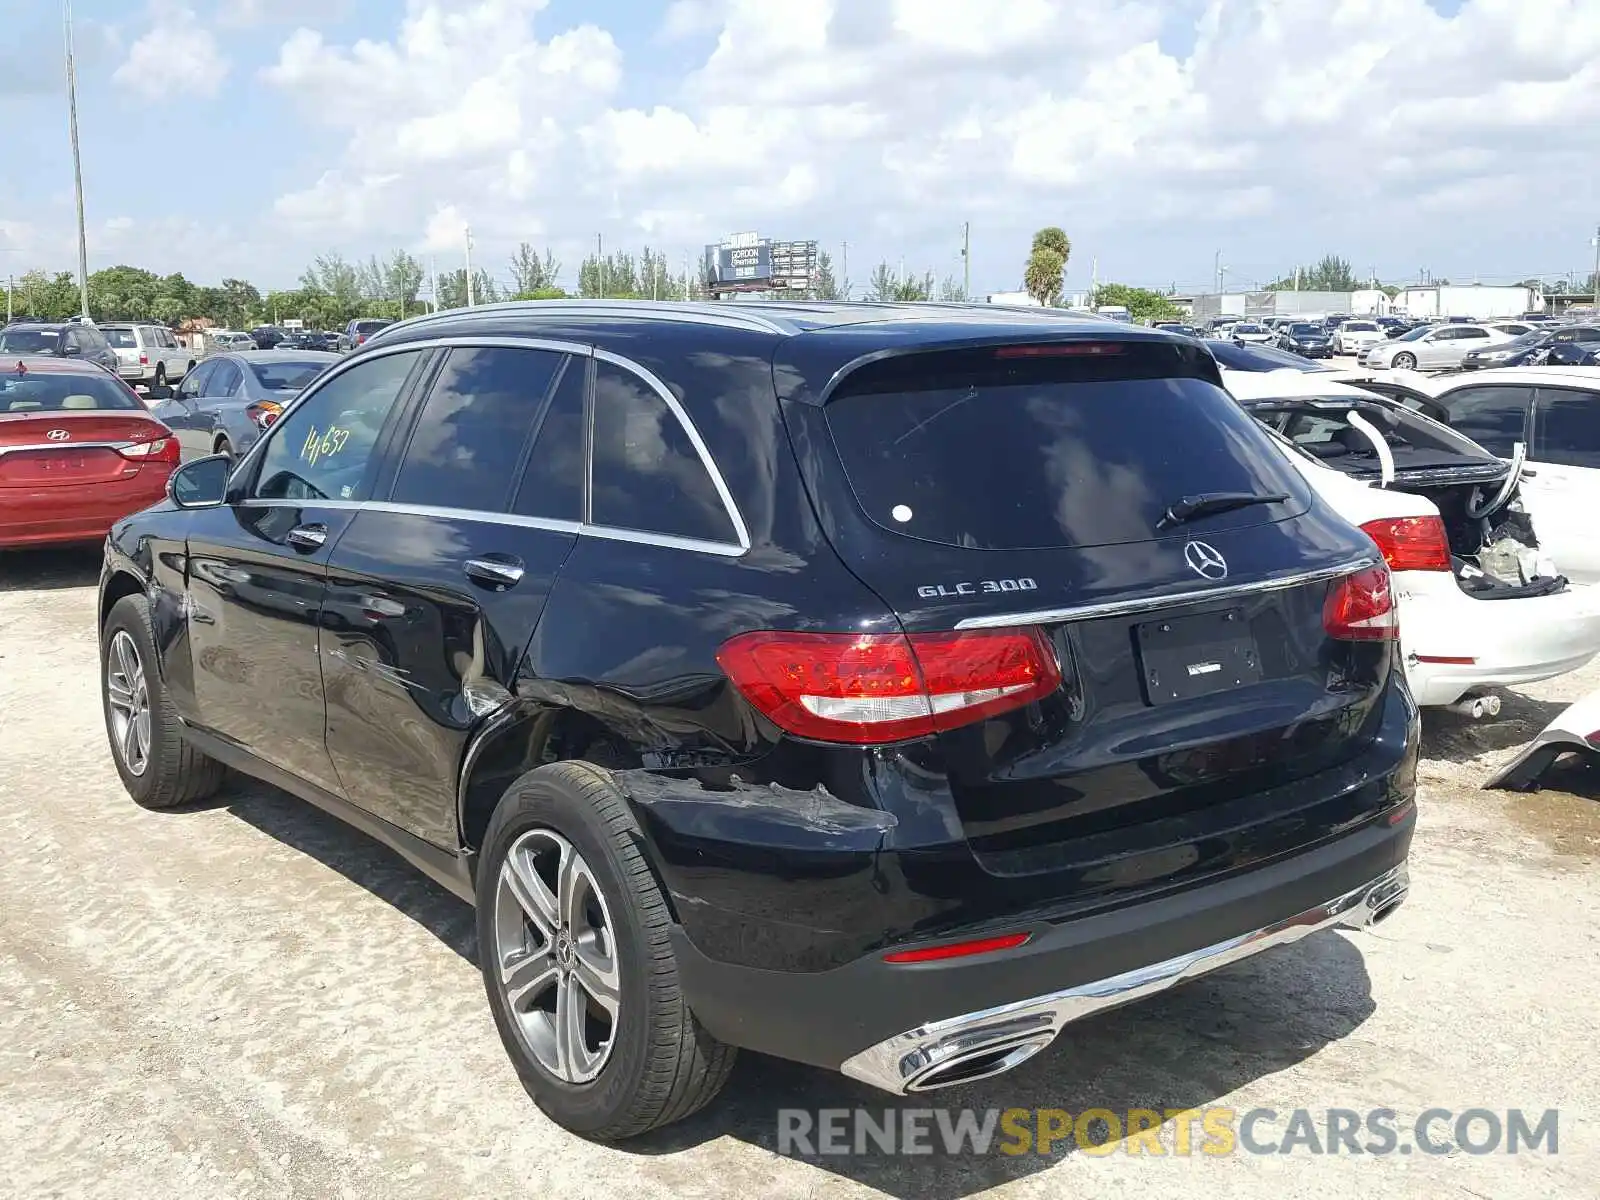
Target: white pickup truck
[148, 354]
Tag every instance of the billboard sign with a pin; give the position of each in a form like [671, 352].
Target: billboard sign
[748, 262]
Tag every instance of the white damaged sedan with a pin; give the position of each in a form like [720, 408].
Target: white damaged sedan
[1481, 603]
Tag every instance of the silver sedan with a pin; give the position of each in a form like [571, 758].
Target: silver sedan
[1432, 348]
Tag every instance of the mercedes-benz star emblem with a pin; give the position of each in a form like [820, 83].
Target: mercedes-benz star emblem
[59, 435]
[1205, 561]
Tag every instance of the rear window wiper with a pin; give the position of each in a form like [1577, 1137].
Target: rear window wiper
[1206, 503]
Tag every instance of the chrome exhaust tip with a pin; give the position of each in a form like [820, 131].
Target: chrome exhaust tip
[971, 1065]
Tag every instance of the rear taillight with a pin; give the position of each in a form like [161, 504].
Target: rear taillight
[144, 359]
[872, 688]
[1360, 608]
[162, 450]
[1411, 543]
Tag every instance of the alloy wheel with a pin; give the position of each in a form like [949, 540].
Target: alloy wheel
[556, 956]
[128, 693]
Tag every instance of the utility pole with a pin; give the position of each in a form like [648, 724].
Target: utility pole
[11, 286]
[1217, 272]
[844, 267]
[77, 163]
[1094, 278]
[471, 299]
[966, 260]
[1297, 279]
[1596, 280]
[433, 281]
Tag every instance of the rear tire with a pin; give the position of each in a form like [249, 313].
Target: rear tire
[1404, 362]
[158, 767]
[161, 375]
[224, 446]
[650, 1062]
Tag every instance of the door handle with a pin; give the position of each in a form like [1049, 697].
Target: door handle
[307, 537]
[496, 572]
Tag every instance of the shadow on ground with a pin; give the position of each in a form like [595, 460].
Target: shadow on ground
[1181, 1050]
[1458, 739]
[51, 569]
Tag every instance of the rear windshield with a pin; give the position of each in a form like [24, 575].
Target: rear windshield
[40, 391]
[968, 450]
[28, 341]
[286, 376]
[1359, 327]
[371, 326]
[122, 339]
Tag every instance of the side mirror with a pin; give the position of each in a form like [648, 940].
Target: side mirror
[202, 483]
[72, 351]
[165, 392]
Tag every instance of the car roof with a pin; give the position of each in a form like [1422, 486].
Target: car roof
[1587, 377]
[812, 345]
[268, 356]
[1288, 384]
[49, 363]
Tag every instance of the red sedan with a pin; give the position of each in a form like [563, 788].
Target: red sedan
[78, 451]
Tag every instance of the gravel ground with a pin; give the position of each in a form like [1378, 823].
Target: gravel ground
[246, 999]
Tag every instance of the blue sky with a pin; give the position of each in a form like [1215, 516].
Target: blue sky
[243, 137]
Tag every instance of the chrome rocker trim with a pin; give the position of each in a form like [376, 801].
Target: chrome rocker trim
[980, 1044]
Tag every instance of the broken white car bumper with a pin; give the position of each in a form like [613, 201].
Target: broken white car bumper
[1455, 643]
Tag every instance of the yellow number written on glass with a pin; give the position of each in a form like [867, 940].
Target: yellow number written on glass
[324, 444]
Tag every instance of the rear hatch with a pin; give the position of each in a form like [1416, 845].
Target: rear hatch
[72, 429]
[125, 344]
[1058, 493]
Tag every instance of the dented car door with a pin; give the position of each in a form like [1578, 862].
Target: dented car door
[430, 606]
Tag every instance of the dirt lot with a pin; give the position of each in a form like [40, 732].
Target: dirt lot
[246, 999]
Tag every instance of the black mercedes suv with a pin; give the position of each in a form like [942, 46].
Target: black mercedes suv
[881, 687]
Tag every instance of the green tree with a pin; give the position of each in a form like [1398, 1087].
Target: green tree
[886, 284]
[1331, 274]
[950, 289]
[532, 273]
[1142, 304]
[453, 288]
[48, 297]
[402, 280]
[123, 293]
[336, 278]
[614, 277]
[1042, 277]
[825, 286]
[1052, 237]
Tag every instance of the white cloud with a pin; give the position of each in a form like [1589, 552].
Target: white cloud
[176, 56]
[1286, 126]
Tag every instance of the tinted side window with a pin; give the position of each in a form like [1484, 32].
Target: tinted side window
[552, 484]
[1568, 429]
[224, 380]
[647, 474]
[474, 424]
[1494, 417]
[1465, 334]
[195, 381]
[323, 449]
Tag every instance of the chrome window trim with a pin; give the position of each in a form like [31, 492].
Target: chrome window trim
[1138, 604]
[740, 530]
[641, 537]
[423, 345]
[549, 524]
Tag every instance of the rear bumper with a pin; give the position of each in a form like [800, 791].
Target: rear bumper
[1505, 642]
[914, 1027]
[65, 515]
[978, 1044]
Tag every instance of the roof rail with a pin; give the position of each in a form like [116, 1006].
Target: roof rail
[650, 310]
